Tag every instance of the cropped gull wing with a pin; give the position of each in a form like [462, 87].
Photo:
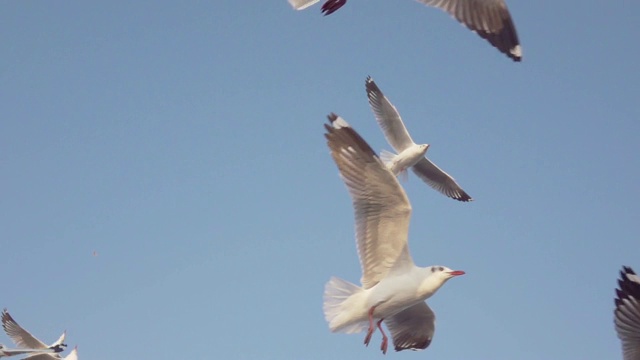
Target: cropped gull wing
[412, 328]
[73, 355]
[627, 313]
[388, 117]
[20, 336]
[488, 18]
[382, 209]
[302, 4]
[439, 180]
[24, 339]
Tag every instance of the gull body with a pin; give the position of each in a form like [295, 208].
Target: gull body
[490, 19]
[22, 338]
[627, 313]
[393, 288]
[405, 159]
[398, 137]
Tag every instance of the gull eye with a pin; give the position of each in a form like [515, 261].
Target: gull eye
[440, 268]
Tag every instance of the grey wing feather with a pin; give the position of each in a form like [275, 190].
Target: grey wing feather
[412, 328]
[382, 209]
[20, 336]
[627, 313]
[388, 117]
[439, 180]
[490, 19]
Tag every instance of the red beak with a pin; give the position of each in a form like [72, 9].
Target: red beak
[456, 272]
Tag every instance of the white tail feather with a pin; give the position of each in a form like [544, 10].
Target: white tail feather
[387, 158]
[337, 293]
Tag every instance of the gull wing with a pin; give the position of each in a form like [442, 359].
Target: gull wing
[302, 4]
[488, 18]
[20, 336]
[627, 313]
[73, 355]
[388, 117]
[439, 180]
[13, 352]
[412, 328]
[382, 209]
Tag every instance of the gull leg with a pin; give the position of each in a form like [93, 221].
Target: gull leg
[385, 339]
[371, 327]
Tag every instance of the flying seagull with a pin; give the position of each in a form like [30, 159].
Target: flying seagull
[490, 19]
[6, 352]
[393, 289]
[627, 313]
[22, 338]
[398, 137]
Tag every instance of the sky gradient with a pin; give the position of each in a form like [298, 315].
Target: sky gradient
[167, 191]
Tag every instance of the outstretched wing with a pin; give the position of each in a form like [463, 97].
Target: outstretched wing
[382, 209]
[439, 180]
[488, 18]
[627, 313]
[388, 117]
[302, 4]
[20, 336]
[412, 328]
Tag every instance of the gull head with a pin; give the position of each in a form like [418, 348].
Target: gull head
[444, 273]
[435, 277]
[423, 148]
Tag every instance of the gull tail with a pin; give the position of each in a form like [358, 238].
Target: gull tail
[339, 298]
[388, 159]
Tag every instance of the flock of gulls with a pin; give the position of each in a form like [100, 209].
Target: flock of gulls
[393, 289]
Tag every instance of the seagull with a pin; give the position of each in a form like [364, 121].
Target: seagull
[24, 339]
[397, 136]
[6, 352]
[393, 289]
[627, 313]
[490, 19]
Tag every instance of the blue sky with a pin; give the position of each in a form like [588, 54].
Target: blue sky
[183, 143]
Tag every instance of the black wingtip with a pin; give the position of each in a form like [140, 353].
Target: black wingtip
[331, 6]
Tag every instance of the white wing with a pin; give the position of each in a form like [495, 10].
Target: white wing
[488, 18]
[20, 336]
[412, 328]
[302, 4]
[23, 338]
[388, 117]
[12, 352]
[627, 313]
[73, 355]
[382, 209]
[439, 180]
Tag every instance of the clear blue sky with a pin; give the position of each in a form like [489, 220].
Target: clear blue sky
[183, 143]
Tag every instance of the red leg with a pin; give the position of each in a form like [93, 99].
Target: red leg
[385, 339]
[372, 328]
